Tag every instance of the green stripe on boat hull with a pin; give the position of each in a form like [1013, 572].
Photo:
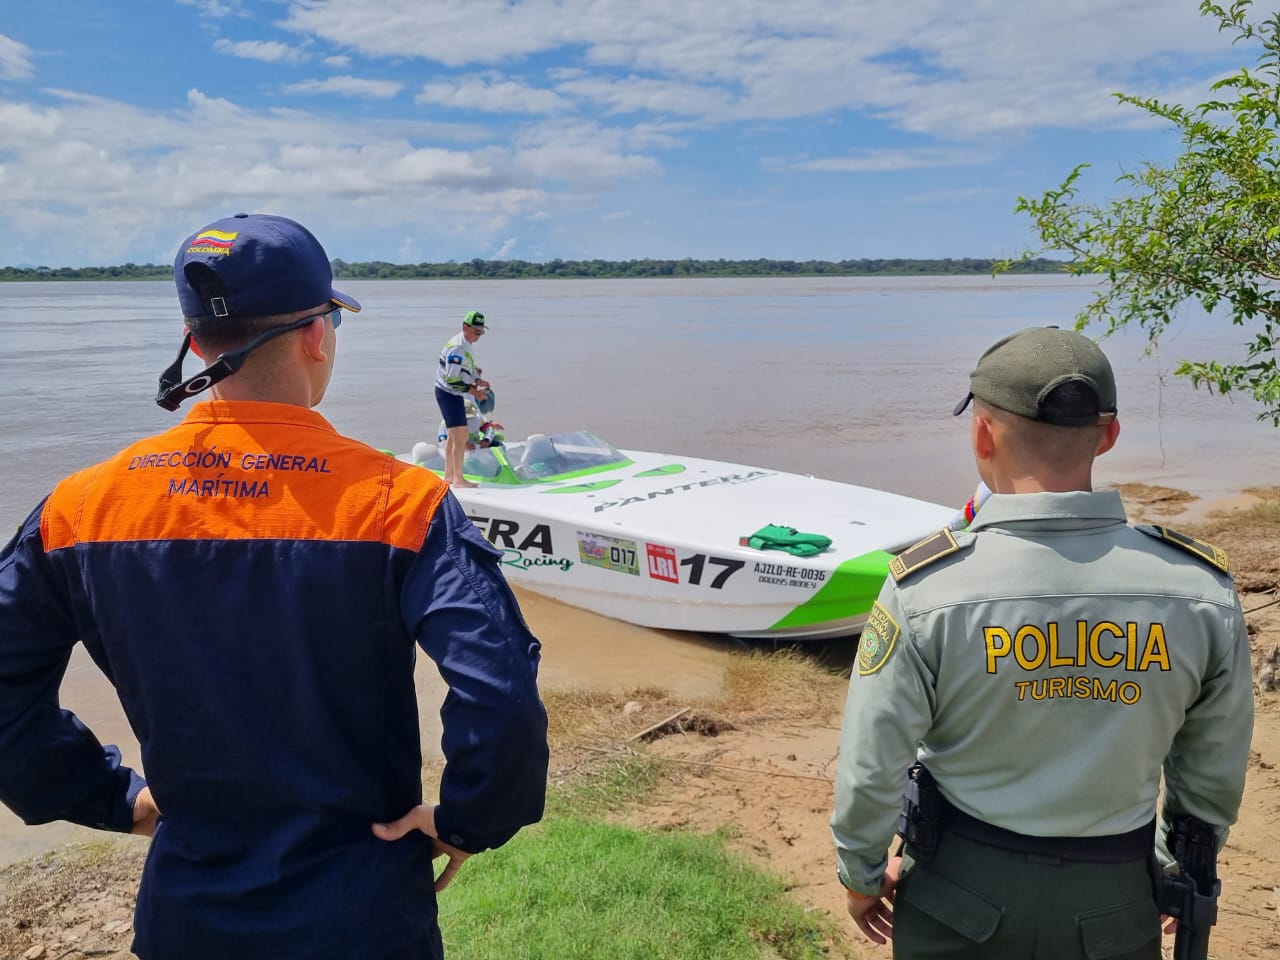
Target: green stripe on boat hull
[850, 592]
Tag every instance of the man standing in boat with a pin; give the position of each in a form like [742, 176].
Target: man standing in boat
[458, 376]
[1038, 670]
[255, 585]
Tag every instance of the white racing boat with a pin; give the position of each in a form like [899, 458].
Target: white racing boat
[666, 541]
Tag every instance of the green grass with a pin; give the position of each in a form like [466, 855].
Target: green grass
[580, 887]
[573, 889]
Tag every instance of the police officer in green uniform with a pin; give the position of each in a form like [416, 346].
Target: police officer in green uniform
[1043, 666]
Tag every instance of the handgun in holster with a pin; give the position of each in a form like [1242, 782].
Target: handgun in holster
[1190, 892]
[918, 824]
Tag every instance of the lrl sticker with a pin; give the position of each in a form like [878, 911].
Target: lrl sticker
[662, 563]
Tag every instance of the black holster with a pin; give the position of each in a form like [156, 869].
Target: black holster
[919, 822]
[1190, 893]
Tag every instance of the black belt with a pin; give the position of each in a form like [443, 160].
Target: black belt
[1118, 848]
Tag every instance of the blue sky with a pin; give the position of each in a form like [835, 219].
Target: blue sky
[429, 130]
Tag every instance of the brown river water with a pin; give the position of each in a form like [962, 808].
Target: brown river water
[852, 379]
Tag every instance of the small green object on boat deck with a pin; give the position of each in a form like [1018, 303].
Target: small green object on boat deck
[778, 537]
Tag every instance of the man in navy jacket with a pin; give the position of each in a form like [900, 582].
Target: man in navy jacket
[255, 586]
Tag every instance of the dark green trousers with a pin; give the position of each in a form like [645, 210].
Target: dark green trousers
[976, 902]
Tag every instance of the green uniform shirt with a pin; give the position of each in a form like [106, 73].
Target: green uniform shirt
[1044, 670]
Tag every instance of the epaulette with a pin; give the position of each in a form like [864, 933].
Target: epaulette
[1214, 556]
[919, 555]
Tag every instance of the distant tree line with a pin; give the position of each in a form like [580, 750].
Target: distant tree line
[513, 269]
[128, 271]
[524, 269]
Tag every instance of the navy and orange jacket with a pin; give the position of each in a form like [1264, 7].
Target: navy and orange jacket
[255, 586]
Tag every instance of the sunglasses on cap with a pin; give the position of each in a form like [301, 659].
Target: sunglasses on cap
[173, 390]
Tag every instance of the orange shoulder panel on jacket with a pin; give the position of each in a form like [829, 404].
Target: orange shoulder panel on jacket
[258, 480]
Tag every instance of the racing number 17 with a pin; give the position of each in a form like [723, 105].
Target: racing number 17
[698, 562]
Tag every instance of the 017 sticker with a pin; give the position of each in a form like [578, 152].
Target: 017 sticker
[609, 553]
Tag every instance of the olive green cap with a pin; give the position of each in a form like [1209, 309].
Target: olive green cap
[1019, 373]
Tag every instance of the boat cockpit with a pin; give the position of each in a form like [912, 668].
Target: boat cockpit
[540, 458]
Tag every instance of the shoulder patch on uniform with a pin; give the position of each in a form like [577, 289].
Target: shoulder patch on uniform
[879, 637]
[1214, 556]
[920, 555]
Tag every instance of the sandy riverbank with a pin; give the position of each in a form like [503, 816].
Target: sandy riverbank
[760, 764]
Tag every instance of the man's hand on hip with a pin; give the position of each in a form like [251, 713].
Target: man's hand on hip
[423, 818]
[146, 815]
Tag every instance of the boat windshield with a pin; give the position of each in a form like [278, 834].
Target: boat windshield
[542, 457]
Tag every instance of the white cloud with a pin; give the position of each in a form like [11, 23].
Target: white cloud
[453, 32]
[950, 196]
[582, 153]
[482, 170]
[15, 59]
[21, 123]
[881, 161]
[584, 163]
[215, 8]
[268, 51]
[930, 66]
[215, 155]
[504, 251]
[1046, 65]
[491, 93]
[339, 61]
[666, 97]
[407, 252]
[348, 87]
[657, 136]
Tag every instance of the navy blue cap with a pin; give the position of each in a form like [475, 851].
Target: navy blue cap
[254, 265]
